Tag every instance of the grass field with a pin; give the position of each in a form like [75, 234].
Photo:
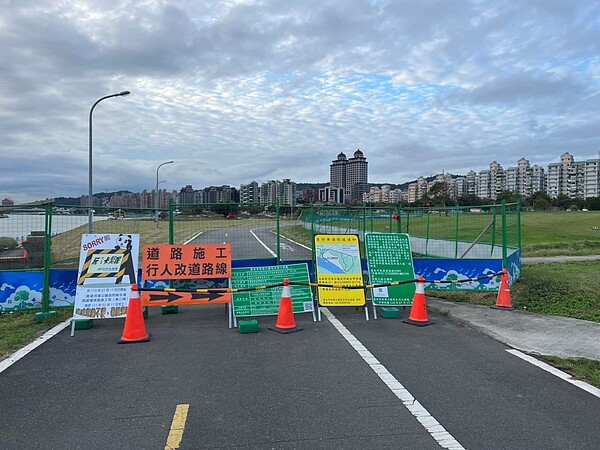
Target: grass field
[560, 233]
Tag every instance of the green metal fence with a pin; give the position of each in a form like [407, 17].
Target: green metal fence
[481, 232]
[49, 236]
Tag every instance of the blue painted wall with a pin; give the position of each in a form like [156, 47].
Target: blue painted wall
[23, 290]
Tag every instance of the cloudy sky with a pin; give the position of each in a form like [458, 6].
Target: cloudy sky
[242, 90]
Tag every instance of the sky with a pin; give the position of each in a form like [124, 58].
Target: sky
[236, 91]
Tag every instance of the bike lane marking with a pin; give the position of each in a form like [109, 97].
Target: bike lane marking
[430, 423]
[273, 254]
[9, 361]
[556, 372]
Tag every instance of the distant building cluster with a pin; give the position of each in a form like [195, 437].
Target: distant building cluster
[577, 180]
[270, 192]
[348, 183]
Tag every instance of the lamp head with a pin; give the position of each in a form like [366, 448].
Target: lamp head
[124, 93]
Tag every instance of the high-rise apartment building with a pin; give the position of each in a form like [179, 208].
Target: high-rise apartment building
[557, 178]
[351, 174]
[187, 195]
[591, 178]
[337, 171]
[274, 190]
[250, 193]
[573, 179]
[221, 194]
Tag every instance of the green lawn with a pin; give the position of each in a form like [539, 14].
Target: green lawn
[19, 328]
[560, 233]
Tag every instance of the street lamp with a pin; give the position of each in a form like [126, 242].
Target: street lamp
[90, 198]
[156, 192]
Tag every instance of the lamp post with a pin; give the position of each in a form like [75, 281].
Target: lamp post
[156, 192]
[90, 198]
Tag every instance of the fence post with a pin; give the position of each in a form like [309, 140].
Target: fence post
[171, 224]
[456, 234]
[519, 224]
[312, 226]
[47, 258]
[504, 249]
[427, 231]
[46, 314]
[277, 215]
[493, 230]
[399, 221]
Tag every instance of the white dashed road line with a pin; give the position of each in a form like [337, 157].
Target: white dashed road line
[433, 427]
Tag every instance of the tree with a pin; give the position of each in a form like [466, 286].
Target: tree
[225, 208]
[540, 201]
[562, 201]
[593, 203]
[541, 204]
[441, 193]
[509, 196]
[469, 200]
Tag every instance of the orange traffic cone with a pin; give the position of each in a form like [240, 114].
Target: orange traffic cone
[134, 329]
[285, 317]
[503, 300]
[418, 312]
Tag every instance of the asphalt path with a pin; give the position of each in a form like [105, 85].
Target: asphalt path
[317, 388]
[255, 243]
[341, 383]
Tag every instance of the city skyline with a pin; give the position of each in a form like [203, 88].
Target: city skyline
[567, 175]
[240, 90]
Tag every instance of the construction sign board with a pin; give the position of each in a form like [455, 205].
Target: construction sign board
[265, 302]
[173, 297]
[108, 266]
[338, 263]
[389, 259]
[185, 262]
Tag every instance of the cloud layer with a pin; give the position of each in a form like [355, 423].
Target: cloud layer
[236, 90]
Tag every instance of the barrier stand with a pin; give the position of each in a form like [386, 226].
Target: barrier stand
[81, 324]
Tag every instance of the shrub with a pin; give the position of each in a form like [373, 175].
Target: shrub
[8, 243]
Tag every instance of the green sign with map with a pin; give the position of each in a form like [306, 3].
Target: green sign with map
[389, 259]
[265, 302]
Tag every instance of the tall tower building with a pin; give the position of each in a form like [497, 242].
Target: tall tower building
[337, 171]
[350, 174]
[557, 177]
[357, 176]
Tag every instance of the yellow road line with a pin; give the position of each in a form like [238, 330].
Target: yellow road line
[177, 427]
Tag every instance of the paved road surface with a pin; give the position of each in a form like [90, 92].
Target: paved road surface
[255, 243]
[341, 383]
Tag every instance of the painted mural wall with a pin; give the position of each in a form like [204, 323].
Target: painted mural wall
[23, 290]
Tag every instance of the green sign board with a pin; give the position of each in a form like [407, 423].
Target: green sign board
[265, 302]
[389, 259]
